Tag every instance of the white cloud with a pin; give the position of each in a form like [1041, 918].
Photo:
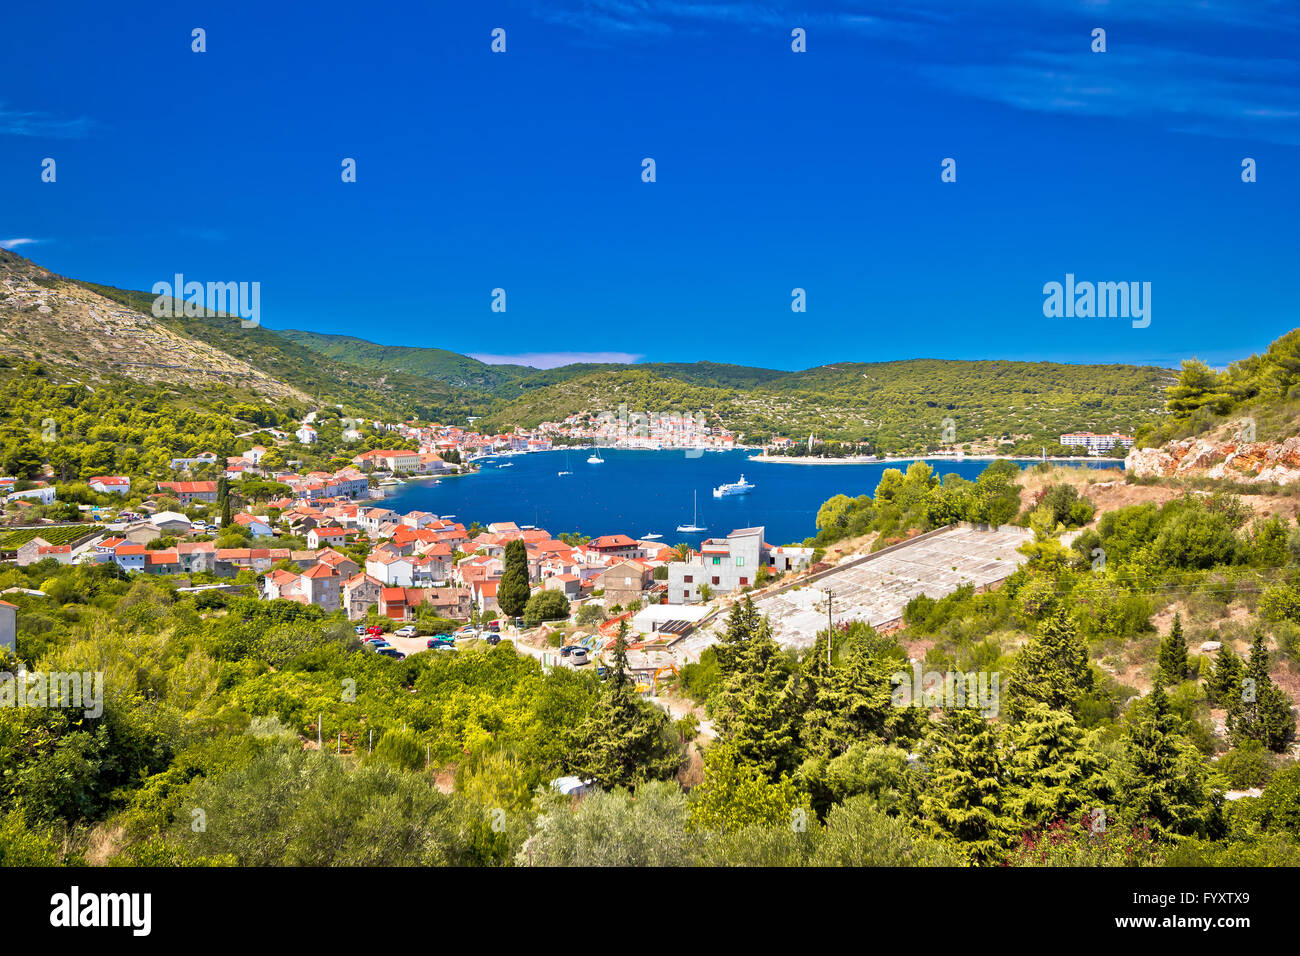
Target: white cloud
[15, 243]
[32, 123]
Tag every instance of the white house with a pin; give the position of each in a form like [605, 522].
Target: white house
[110, 484]
[393, 570]
[45, 495]
[306, 435]
[325, 537]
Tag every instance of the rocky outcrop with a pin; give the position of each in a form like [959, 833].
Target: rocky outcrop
[1256, 463]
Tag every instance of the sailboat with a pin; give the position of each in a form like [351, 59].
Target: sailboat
[595, 458]
[566, 471]
[693, 526]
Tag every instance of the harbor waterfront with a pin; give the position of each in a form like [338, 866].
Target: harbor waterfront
[640, 491]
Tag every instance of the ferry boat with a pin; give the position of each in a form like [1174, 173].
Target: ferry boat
[741, 487]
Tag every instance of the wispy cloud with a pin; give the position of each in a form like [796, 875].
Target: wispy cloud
[556, 359]
[35, 123]
[15, 243]
[1222, 68]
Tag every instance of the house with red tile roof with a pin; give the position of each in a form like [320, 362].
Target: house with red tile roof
[360, 594]
[323, 537]
[615, 546]
[162, 562]
[129, 557]
[189, 491]
[110, 484]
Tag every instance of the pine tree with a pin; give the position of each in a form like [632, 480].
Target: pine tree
[754, 707]
[513, 589]
[1224, 685]
[1052, 669]
[962, 802]
[624, 740]
[1052, 772]
[852, 701]
[1172, 664]
[1162, 780]
[1262, 711]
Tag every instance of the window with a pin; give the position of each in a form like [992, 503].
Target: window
[744, 581]
[627, 582]
[687, 594]
[715, 579]
[717, 560]
[740, 560]
[688, 578]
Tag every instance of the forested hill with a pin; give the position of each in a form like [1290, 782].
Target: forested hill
[895, 407]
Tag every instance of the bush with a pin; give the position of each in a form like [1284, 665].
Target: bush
[546, 606]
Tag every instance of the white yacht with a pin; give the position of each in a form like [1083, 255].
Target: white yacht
[741, 487]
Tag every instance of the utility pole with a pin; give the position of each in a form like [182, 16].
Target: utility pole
[320, 719]
[830, 626]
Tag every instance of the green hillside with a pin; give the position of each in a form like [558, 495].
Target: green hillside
[374, 391]
[438, 364]
[901, 406]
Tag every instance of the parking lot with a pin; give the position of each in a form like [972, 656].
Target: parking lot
[878, 590]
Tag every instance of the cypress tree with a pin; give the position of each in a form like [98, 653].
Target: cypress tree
[223, 500]
[1162, 780]
[1172, 664]
[1262, 710]
[513, 590]
[1052, 772]
[1052, 669]
[962, 802]
[852, 701]
[754, 708]
[624, 740]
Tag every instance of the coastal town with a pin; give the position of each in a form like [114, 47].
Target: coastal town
[324, 538]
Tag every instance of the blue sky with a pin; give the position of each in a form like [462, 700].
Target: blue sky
[775, 170]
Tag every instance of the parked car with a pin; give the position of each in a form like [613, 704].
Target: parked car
[493, 639]
[568, 649]
[441, 640]
[374, 630]
[578, 656]
[495, 627]
[407, 631]
[393, 653]
[360, 629]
